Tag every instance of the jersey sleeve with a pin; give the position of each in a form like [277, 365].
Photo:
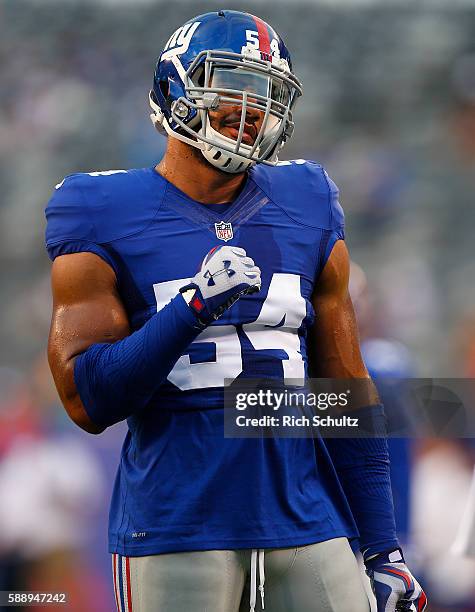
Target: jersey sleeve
[70, 224]
[336, 226]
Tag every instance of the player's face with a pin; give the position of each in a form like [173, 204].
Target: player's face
[226, 118]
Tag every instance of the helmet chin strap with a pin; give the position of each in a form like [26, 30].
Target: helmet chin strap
[219, 157]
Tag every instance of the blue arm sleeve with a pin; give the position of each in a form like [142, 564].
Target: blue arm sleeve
[116, 380]
[362, 465]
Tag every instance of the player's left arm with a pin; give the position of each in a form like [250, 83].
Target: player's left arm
[362, 463]
[335, 347]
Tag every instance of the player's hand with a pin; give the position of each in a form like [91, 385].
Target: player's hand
[395, 588]
[225, 275]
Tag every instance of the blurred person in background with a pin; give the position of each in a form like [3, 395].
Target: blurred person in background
[119, 348]
[441, 476]
[424, 473]
[389, 363]
[50, 487]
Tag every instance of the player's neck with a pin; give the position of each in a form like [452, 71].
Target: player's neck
[186, 168]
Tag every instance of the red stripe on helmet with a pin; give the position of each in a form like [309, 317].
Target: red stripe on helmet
[263, 32]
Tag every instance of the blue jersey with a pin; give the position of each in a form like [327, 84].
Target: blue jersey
[181, 485]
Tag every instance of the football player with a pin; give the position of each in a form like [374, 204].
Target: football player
[172, 280]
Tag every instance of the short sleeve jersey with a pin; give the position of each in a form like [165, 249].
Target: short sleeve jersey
[182, 485]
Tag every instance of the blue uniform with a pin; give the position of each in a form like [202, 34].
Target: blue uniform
[181, 485]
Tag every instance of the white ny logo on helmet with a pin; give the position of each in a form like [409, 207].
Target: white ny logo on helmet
[180, 40]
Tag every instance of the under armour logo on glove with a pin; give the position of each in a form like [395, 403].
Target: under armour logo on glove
[395, 588]
[225, 275]
[227, 269]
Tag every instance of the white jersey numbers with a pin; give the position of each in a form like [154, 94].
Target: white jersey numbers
[276, 327]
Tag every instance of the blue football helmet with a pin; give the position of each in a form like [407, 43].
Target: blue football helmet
[231, 61]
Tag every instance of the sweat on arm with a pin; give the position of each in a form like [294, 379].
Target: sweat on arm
[102, 372]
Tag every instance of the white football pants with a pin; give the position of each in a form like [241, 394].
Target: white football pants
[322, 577]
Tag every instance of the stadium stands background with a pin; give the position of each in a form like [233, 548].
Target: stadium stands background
[388, 108]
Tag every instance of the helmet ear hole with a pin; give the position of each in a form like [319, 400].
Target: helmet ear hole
[164, 88]
[199, 76]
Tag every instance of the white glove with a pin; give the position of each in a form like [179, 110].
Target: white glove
[395, 588]
[225, 275]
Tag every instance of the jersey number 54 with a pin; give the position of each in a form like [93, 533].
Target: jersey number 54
[276, 327]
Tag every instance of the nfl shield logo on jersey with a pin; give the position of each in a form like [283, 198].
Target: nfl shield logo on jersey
[224, 231]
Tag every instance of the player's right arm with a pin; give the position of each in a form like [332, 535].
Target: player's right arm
[104, 372]
[87, 309]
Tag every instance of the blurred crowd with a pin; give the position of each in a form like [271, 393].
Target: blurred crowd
[388, 107]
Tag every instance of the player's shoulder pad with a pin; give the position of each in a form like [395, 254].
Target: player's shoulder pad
[303, 190]
[100, 206]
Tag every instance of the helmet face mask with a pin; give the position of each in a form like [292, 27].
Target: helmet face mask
[236, 107]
